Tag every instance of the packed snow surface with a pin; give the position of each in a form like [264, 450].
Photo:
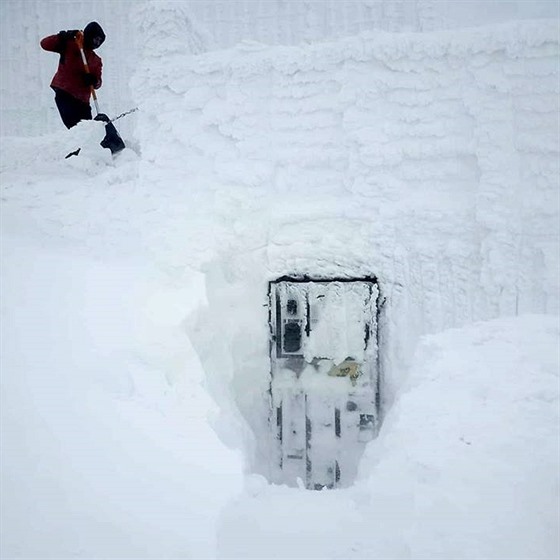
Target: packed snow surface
[135, 362]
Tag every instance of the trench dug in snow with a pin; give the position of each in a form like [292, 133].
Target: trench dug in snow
[295, 372]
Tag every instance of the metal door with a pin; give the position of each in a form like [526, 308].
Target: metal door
[325, 380]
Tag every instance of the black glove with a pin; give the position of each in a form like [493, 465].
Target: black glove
[67, 35]
[89, 79]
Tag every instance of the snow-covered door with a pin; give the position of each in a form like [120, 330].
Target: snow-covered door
[325, 379]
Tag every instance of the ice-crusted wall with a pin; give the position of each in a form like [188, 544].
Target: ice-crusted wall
[429, 160]
[447, 144]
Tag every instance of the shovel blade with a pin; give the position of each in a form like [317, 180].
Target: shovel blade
[112, 139]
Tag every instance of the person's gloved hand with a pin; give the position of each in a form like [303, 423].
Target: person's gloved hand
[67, 35]
[89, 79]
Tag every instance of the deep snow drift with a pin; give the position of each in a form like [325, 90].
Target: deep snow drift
[104, 424]
[107, 450]
[134, 310]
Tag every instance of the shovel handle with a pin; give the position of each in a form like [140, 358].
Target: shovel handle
[80, 43]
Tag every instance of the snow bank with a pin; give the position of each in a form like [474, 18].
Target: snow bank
[466, 465]
[106, 446]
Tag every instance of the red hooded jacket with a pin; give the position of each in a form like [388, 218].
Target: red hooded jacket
[70, 74]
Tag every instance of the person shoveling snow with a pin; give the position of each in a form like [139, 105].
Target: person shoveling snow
[77, 77]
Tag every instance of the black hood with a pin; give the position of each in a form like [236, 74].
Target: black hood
[93, 35]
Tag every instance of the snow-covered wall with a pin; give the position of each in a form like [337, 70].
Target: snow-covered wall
[443, 148]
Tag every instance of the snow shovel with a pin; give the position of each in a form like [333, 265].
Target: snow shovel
[112, 139]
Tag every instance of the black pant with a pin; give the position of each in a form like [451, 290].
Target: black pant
[71, 110]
